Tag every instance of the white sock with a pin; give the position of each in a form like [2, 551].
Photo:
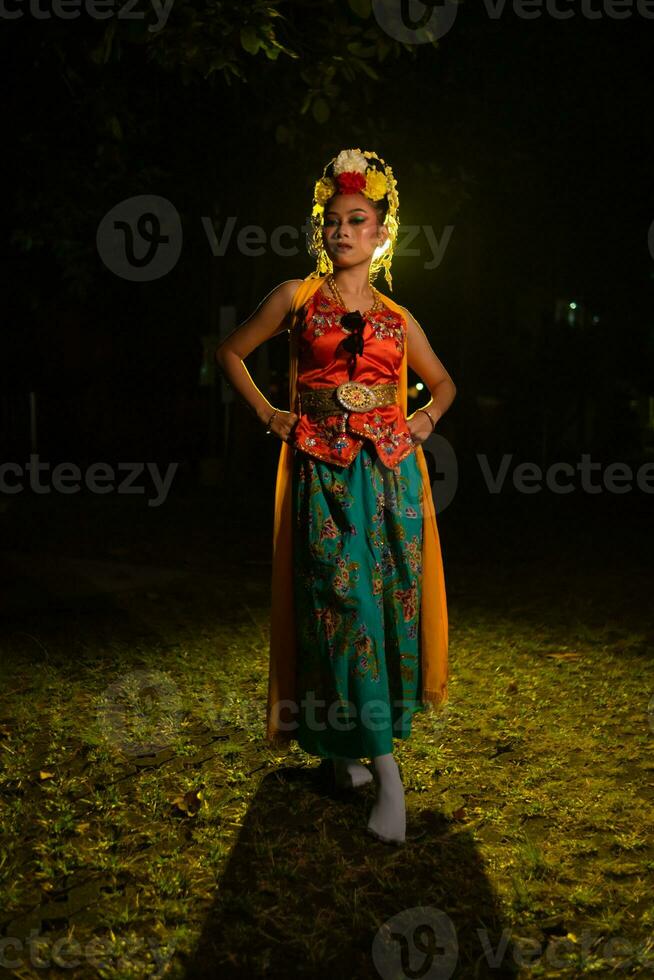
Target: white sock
[388, 815]
[350, 774]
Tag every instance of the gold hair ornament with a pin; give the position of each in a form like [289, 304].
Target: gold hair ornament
[355, 171]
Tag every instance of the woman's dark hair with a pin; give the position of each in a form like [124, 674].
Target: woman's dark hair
[381, 207]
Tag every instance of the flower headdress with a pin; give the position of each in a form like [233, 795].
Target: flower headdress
[352, 172]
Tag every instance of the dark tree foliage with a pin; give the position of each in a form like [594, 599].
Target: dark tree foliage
[112, 106]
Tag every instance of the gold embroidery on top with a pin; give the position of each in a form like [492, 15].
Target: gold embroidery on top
[327, 313]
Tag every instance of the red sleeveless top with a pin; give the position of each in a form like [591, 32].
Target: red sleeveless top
[322, 363]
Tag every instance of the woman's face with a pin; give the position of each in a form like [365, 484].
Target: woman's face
[351, 232]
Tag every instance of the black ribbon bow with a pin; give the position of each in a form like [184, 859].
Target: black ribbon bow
[354, 322]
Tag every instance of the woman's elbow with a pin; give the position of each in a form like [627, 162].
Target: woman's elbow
[222, 352]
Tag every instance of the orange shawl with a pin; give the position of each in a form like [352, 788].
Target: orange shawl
[280, 723]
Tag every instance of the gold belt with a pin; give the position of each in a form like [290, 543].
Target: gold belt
[350, 396]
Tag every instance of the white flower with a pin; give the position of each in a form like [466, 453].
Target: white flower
[350, 160]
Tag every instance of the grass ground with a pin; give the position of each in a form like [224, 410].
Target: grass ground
[148, 829]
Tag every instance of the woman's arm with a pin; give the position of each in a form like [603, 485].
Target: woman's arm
[422, 359]
[269, 319]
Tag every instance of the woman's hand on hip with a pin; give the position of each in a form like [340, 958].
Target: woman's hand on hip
[420, 426]
[283, 423]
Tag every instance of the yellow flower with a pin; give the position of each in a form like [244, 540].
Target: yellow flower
[324, 189]
[376, 185]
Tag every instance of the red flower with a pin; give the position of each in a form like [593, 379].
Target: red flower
[350, 182]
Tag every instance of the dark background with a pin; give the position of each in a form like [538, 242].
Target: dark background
[531, 139]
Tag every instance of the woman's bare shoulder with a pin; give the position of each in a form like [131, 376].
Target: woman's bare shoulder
[290, 287]
[281, 295]
[286, 291]
[270, 318]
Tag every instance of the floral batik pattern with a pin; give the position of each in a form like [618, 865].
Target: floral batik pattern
[357, 553]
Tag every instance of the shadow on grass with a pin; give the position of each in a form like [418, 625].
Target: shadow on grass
[308, 892]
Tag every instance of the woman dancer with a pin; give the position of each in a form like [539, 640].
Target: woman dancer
[359, 616]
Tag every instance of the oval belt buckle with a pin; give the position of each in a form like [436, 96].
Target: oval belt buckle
[355, 396]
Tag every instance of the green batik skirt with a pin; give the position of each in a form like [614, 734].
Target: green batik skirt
[357, 570]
